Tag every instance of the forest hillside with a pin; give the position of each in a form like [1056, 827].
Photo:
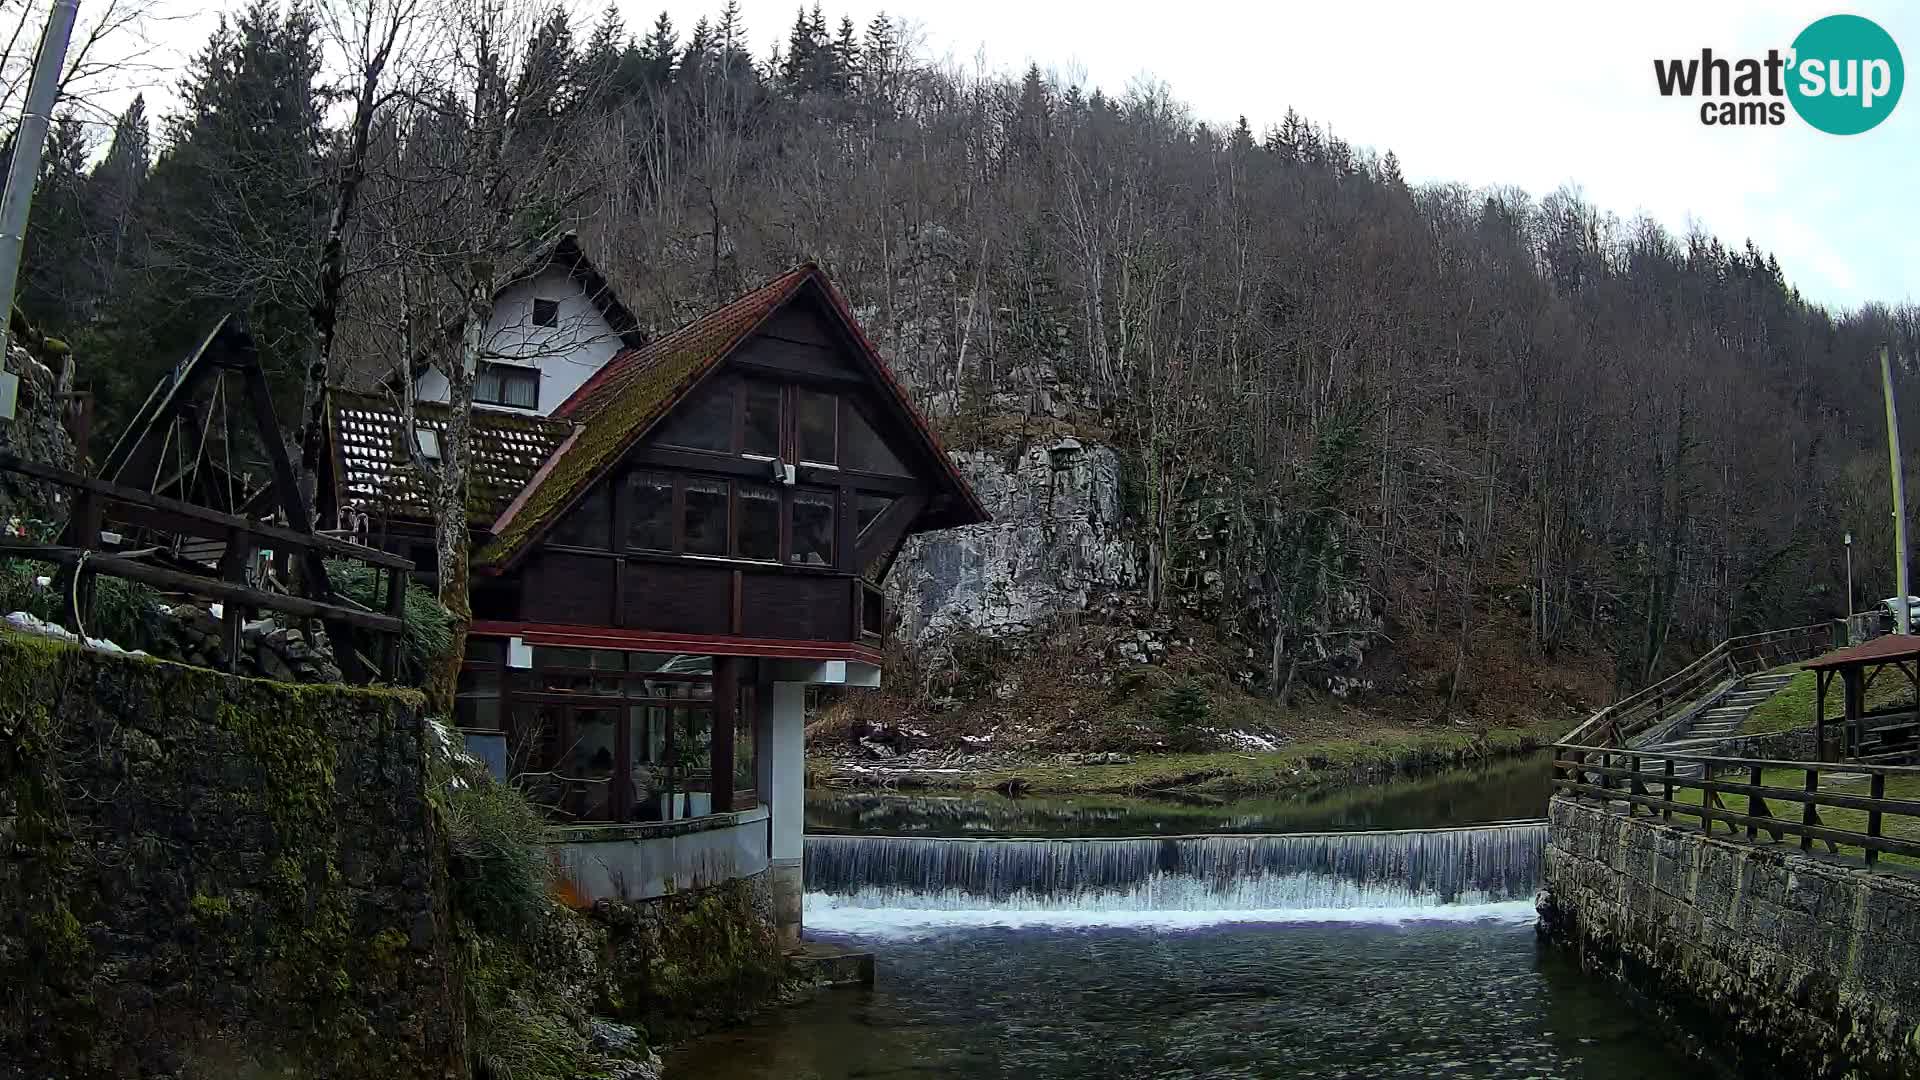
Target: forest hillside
[1259, 419]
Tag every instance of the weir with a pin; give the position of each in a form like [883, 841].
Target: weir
[1474, 866]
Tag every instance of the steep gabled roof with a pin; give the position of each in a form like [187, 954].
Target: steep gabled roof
[372, 466]
[627, 397]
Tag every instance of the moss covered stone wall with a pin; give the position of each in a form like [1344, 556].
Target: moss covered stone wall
[207, 876]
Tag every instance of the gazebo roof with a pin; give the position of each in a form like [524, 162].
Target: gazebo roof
[1881, 650]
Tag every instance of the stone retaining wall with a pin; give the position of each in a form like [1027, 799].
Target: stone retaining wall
[209, 876]
[1787, 964]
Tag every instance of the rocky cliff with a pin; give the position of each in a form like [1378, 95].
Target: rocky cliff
[1056, 546]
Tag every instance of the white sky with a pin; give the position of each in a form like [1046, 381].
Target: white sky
[1492, 92]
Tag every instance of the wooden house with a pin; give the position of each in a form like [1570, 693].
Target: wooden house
[664, 559]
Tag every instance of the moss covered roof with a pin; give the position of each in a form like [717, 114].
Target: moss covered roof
[625, 398]
[373, 469]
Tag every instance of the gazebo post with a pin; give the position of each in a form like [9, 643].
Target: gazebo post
[1820, 713]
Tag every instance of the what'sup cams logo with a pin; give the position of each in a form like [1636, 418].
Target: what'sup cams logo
[1843, 75]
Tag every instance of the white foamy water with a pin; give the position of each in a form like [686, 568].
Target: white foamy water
[1371, 876]
[835, 915]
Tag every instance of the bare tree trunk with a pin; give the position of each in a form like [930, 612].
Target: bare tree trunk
[452, 537]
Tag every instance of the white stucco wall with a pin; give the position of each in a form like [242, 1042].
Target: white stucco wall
[640, 862]
[567, 353]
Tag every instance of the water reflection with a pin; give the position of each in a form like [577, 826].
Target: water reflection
[1501, 792]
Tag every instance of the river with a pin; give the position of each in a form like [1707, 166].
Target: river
[1190, 952]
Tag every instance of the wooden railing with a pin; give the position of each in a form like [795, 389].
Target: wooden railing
[1672, 696]
[86, 554]
[1739, 795]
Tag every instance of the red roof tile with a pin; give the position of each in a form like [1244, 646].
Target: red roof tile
[1880, 650]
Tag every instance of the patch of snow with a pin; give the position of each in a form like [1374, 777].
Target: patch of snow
[1247, 740]
[30, 624]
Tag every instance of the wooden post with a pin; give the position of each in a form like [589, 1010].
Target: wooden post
[1877, 789]
[1756, 806]
[396, 607]
[233, 569]
[1807, 813]
[1820, 713]
[1706, 798]
[726, 696]
[1666, 812]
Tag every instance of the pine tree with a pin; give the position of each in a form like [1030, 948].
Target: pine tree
[698, 58]
[56, 291]
[659, 52]
[796, 69]
[1242, 141]
[231, 214]
[879, 59]
[113, 191]
[846, 58]
[598, 73]
[545, 87]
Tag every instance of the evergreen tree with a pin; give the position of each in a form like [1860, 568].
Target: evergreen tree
[846, 58]
[659, 52]
[231, 213]
[113, 189]
[599, 73]
[698, 59]
[1242, 142]
[55, 289]
[545, 87]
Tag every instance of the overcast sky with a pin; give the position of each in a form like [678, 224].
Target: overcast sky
[1530, 94]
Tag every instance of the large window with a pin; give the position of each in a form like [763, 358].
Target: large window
[812, 527]
[817, 426]
[862, 449]
[765, 419]
[759, 536]
[674, 513]
[650, 511]
[507, 384]
[609, 735]
[705, 422]
[760, 429]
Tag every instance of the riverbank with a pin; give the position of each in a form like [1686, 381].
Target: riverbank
[1364, 759]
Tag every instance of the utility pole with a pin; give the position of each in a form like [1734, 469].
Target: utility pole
[1900, 607]
[29, 139]
[1847, 541]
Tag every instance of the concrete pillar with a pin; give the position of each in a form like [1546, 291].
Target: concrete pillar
[785, 719]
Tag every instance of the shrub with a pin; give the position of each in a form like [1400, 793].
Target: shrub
[126, 613]
[426, 637]
[1182, 712]
[498, 865]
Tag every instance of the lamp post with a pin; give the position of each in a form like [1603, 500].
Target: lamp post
[1847, 541]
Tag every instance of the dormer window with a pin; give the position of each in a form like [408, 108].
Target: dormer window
[546, 313]
[507, 384]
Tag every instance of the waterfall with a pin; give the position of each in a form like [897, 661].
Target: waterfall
[1473, 871]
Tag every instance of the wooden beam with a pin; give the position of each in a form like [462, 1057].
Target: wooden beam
[887, 529]
[162, 578]
[141, 507]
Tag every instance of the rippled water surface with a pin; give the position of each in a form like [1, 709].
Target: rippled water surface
[1383, 999]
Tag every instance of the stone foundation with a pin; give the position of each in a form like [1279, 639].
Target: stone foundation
[202, 875]
[1785, 964]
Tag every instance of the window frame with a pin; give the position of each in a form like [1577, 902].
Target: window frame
[522, 694]
[551, 308]
[519, 372]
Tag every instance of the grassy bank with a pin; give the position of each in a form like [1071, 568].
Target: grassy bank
[1792, 706]
[1374, 756]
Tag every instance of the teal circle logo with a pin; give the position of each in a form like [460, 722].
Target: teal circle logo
[1847, 75]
